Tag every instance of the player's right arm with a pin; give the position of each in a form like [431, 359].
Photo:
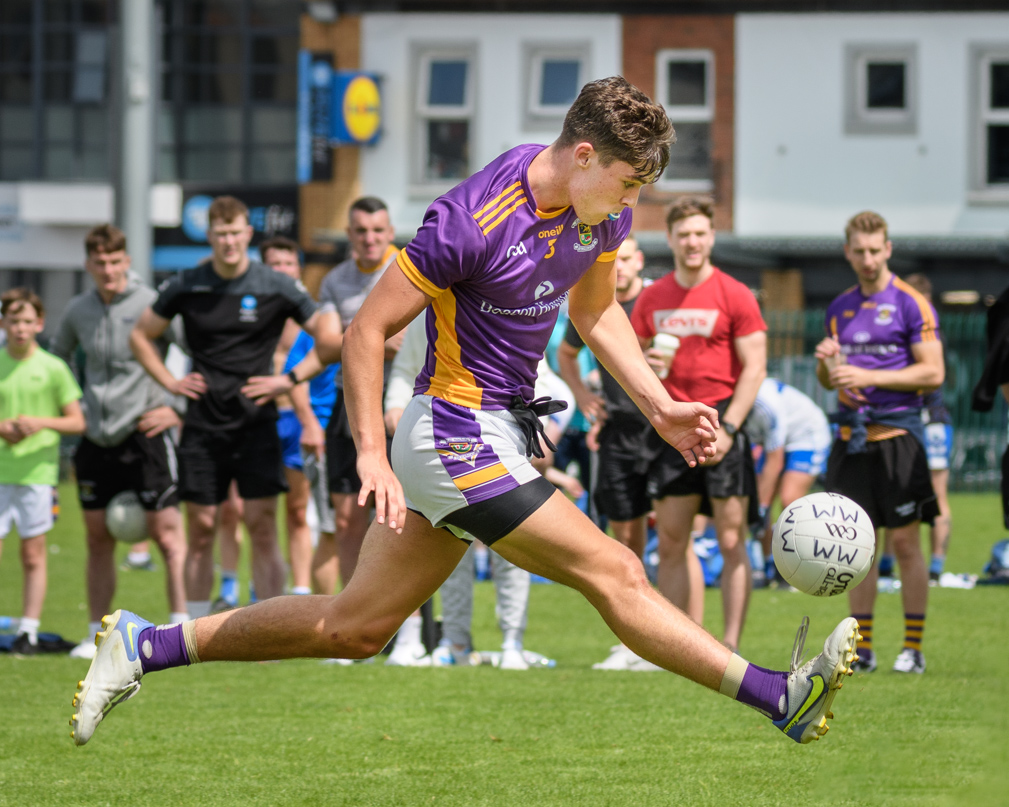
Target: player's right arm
[391, 305]
[150, 327]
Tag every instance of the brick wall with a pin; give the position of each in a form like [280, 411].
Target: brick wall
[643, 37]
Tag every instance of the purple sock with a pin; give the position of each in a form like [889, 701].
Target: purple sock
[764, 690]
[162, 647]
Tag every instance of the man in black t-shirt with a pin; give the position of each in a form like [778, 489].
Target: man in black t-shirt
[621, 484]
[233, 311]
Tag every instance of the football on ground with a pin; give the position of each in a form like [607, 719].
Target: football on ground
[823, 544]
[125, 518]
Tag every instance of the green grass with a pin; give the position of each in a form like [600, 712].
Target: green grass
[300, 732]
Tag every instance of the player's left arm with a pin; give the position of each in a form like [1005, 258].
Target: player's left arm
[604, 327]
[926, 372]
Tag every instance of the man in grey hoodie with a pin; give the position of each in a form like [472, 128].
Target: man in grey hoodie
[128, 443]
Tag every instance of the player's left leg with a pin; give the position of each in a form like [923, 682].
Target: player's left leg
[914, 594]
[942, 525]
[299, 534]
[165, 527]
[357, 623]
[511, 587]
[794, 485]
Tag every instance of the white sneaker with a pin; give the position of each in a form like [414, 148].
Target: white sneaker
[408, 655]
[513, 659]
[910, 661]
[620, 656]
[638, 664]
[86, 649]
[114, 675]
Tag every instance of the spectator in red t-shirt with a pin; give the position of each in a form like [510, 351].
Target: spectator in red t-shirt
[721, 361]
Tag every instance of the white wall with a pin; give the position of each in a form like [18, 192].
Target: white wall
[500, 74]
[797, 173]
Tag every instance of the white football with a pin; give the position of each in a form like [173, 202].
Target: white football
[823, 544]
[125, 518]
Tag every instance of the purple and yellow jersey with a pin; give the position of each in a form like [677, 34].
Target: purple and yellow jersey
[499, 270]
[877, 333]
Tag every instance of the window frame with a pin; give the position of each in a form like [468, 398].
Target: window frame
[982, 57]
[424, 55]
[534, 55]
[682, 113]
[859, 119]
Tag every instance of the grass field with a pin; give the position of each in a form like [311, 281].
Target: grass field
[304, 733]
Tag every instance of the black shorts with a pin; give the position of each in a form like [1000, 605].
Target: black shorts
[621, 491]
[669, 474]
[341, 453]
[890, 480]
[145, 465]
[210, 460]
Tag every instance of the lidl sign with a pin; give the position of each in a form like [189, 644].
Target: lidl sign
[356, 109]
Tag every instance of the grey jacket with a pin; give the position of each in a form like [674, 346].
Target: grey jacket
[117, 389]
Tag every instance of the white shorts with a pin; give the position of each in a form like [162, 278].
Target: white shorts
[27, 507]
[448, 457]
[938, 445]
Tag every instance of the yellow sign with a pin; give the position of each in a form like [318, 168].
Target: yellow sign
[362, 110]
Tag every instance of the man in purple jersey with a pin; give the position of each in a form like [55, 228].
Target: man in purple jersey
[881, 351]
[494, 260]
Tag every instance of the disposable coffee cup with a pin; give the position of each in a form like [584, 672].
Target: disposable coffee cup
[667, 345]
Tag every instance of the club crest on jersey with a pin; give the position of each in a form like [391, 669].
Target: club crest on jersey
[248, 309]
[586, 240]
[884, 313]
[464, 449]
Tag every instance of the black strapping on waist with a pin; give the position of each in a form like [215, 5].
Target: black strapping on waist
[528, 415]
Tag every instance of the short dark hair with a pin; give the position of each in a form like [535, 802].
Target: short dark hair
[281, 242]
[367, 204]
[865, 222]
[687, 206]
[105, 238]
[622, 124]
[226, 209]
[14, 301]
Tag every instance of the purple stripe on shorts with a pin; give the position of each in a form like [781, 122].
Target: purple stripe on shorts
[459, 442]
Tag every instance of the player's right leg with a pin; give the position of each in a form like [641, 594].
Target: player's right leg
[674, 517]
[357, 623]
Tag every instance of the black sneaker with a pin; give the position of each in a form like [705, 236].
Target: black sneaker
[22, 646]
[866, 662]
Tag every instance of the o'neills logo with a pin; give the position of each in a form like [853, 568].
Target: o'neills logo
[687, 321]
[535, 310]
[586, 240]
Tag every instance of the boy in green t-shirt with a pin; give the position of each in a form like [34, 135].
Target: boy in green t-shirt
[39, 401]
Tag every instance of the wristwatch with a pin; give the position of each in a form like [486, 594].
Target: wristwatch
[730, 428]
[293, 378]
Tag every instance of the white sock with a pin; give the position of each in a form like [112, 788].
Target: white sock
[198, 608]
[178, 617]
[138, 558]
[512, 639]
[301, 590]
[410, 632]
[93, 628]
[31, 627]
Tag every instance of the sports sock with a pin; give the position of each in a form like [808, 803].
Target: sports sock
[93, 628]
[229, 587]
[770, 570]
[198, 608]
[937, 564]
[865, 629]
[139, 558]
[886, 565]
[301, 590]
[914, 627]
[31, 627]
[764, 690]
[178, 617]
[162, 647]
[512, 639]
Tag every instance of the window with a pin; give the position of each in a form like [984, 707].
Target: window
[555, 75]
[685, 85]
[444, 116]
[880, 90]
[54, 90]
[228, 91]
[995, 119]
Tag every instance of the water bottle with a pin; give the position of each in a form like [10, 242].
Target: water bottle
[481, 559]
